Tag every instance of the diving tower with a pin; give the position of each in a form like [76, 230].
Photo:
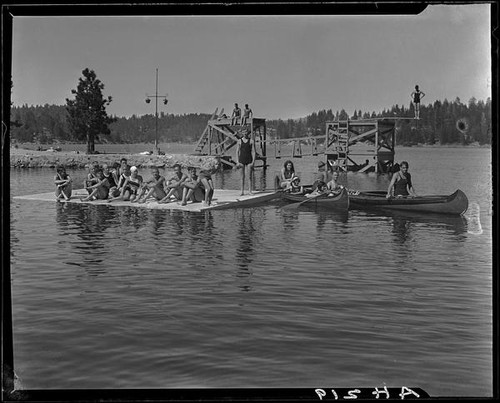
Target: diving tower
[222, 133]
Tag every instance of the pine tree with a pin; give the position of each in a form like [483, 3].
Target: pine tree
[87, 112]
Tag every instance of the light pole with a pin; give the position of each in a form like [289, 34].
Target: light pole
[165, 101]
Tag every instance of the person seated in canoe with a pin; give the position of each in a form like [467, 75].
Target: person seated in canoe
[63, 184]
[174, 185]
[91, 178]
[333, 187]
[319, 190]
[401, 185]
[130, 187]
[207, 184]
[99, 190]
[191, 189]
[322, 176]
[287, 173]
[154, 186]
[295, 187]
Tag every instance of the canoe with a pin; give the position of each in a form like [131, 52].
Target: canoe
[456, 203]
[339, 202]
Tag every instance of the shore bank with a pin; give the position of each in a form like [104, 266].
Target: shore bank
[22, 158]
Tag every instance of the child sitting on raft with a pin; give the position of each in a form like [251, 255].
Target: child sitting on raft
[99, 190]
[154, 186]
[63, 184]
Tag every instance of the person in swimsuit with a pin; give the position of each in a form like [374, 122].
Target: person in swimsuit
[247, 114]
[100, 190]
[246, 159]
[333, 187]
[236, 115]
[416, 96]
[155, 186]
[174, 185]
[112, 178]
[63, 184]
[401, 185]
[130, 187]
[207, 184]
[91, 178]
[323, 176]
[191, 189]
[295, 187]
[287, 174]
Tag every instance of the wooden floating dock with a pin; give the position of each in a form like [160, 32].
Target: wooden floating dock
[223, 199]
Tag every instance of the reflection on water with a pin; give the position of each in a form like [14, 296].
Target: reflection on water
[210, 299]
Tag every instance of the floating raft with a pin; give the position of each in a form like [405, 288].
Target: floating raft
[223, 199]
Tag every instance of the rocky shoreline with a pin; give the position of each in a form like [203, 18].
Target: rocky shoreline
[21, 158]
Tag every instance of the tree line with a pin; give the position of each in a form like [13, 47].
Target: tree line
[84, 118]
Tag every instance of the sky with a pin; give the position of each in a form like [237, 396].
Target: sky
[282, 66]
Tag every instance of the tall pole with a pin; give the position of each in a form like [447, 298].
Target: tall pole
[156, 114]
[165, 101]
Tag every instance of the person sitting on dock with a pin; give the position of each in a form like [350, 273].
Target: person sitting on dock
[191, 189]
[112, 176]
[235, 115]
[91, 178]
[174, 185]
[207, 184]
[99, 190]
[333, 187]
[154, 186]
[246, 159]
[130, 187]
[287, 174]
[401, 185]
[63, 184]
[247, 114]
[416, 96]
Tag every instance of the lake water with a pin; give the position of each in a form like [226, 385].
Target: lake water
[110, 297]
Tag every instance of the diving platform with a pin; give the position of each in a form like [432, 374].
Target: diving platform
[223, 199]
[221, 135]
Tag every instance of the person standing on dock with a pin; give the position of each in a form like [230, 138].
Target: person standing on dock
[247, 114]
[246, 159]
[236, 115]
[416, 96]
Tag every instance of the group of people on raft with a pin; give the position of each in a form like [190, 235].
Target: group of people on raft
[327, 181]
[123, 182]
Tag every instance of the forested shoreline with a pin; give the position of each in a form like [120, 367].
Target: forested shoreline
[440, 123]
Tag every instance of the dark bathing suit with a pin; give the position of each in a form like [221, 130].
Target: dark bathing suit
[402, 184]
[133, 186]
[245, 157]
[416, 97]
[111, 180]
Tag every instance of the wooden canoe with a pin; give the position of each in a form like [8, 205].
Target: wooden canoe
[339, 202]
[455, 204]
